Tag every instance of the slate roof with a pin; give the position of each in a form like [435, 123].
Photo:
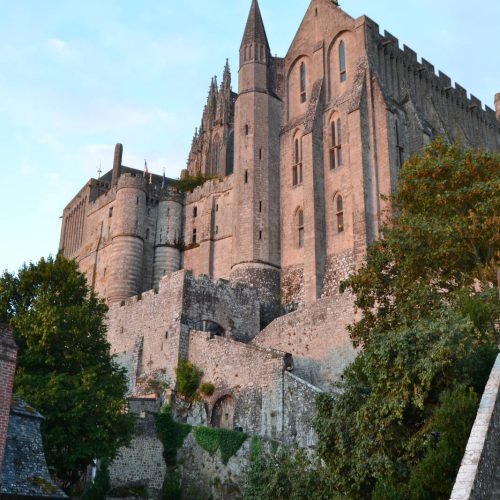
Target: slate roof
[24, 471]
[254, 29]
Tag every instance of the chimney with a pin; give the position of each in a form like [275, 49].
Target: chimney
[117, 164]
[497, 105]
[8, 355]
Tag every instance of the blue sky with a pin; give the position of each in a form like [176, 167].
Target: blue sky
[77, 77]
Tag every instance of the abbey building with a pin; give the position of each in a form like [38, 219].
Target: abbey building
[241, 275]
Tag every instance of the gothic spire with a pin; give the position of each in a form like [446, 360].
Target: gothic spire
[254, 30]
[226, 79]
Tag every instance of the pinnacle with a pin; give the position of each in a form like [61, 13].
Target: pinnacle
[254, 30]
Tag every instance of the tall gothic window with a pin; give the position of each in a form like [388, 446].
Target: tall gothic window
[343, 72]
[297, 164]
[333, 145]
[216, 156]
[336, 153]
[339, 213]
[303, 78]
[300, 227]
[340, 157]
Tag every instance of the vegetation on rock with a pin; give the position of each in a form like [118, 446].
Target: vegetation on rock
[65, 369]
[188, 379]
[191, 182]
[225, 440]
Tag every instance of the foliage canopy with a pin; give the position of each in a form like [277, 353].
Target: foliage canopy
[64, 365]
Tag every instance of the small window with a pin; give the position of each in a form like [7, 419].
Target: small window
[217, 207]
[147, 234]
[260, 235]
[295, 176]
[246, 129]
[300, 225]
[343, 72]
[194, 235]
[166, 335]
[216, 229]
[303, 83]
[333, 146]
[297, 167]
[260, 206]
[110, 212]
[195, 212]
[137, 201]
[246, 176]
[339, 213]
[260, 154]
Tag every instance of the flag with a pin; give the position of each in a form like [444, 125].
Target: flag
[163, 180]
[146, 171]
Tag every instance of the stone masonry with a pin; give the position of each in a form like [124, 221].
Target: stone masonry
[8, 355]
[241, 276]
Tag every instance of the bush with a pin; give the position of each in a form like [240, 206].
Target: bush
[207, 388]
[188, 379]
[171, 433]
[191, 182]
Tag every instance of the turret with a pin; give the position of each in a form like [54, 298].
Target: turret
[117, 164]
[256, 243]
[497, 105]
[128, 238]
[167, 257]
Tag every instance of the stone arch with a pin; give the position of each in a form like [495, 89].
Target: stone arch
[211, 327]
[223, 413]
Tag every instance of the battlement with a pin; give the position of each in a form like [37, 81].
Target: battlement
[219, 185]
[132, 180]
[441, 82]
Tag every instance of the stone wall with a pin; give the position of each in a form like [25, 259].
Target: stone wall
[151, 329]
[8, 355]
[478, 475]
[141, 463]
[317, 338]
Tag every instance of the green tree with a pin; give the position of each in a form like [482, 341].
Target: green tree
[64, 365]
[429, 325]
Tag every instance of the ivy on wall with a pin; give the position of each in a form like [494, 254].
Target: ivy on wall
[225, 440]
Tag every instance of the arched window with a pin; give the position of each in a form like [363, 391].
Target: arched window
[297, 163]
[343, 72]
[216, 155]
[300, 227]
[339, 213]
[336, 153]
[340, 157]
[303, 78]
[333, 145]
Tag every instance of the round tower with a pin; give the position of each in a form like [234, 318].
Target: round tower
[497, 105]
[167, 257]
[256, 238]
[128, 238]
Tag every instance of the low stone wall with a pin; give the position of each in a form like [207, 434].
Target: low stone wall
[476, 477]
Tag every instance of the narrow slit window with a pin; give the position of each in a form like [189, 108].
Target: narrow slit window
[260, 154]
[246, 129]
[303, 78]
[260, 235]
[339, 212]
[343, 72]
[260, 206]
[195, 212]
[194, 235]
[246, 176]
[300, 224]
[340, 156]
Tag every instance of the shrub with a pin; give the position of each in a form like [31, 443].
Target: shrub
[188, 379]
[207, 388]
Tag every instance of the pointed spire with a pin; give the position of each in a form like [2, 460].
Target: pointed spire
[226, 79]
[254, 30]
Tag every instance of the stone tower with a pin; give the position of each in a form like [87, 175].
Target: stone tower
[256, 242]
[128, 238]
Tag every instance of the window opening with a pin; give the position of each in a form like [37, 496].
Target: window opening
[340, 213]
[303, 78]
[297, 167]
[110, 212]
[195, 212]
[343, 72]
[194, 235]
[300, 219]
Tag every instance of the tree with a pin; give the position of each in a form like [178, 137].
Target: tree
[64, 365]
[428, 329]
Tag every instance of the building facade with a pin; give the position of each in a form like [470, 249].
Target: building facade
[298, 162]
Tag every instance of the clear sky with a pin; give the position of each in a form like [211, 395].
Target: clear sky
[78, 76]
